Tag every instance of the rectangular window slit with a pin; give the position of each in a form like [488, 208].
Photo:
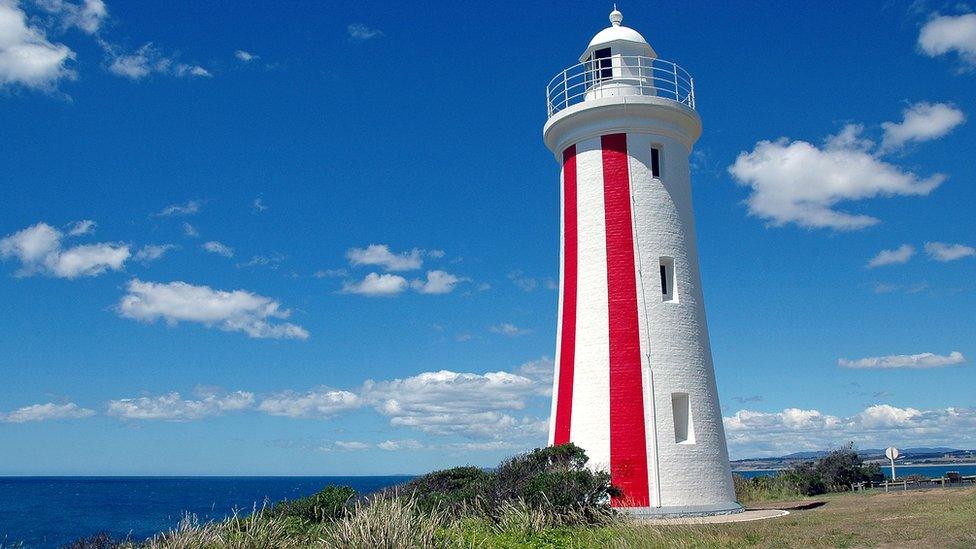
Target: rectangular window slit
[655, 162]
[668, 292]
[684, 426]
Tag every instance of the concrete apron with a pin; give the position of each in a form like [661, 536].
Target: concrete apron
[743, 516]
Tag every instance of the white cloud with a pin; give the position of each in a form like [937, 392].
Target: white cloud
[39, 249]
[190, 208]
[399, 445]
[183, 69]
[892, 257]
[940, 251]
[752, 433]
[436, 254]
[921, 360]
[90, 260]
[83, 227]
[376, 284]
[921, 122]
[258, 205]
[351, 445]
[27, 58]
[380, 254]
[271, 261]
[43, 412]
[232, 311]
[947, 33]
[360, 32]
[172, 407]
[797, 182]
[152, 252]
[218, 248]
[452, 403]
[245, 56]
[438, 282]
[525, 283]
[147, 60]
[320, 403]
[331, 273]
[508, 329]
[87, 16]
[190, 230]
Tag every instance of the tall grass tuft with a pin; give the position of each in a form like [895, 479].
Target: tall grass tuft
[387, 523]
[255, 531]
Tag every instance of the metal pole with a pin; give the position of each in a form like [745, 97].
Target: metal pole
[674, 69]
[565, 91]
[892, 469]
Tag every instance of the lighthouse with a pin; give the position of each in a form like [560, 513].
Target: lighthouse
[634, 384]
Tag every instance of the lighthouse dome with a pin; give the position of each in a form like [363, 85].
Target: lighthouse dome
[624, 40]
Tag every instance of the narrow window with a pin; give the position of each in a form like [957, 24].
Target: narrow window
[656, 161]
[684, 426]
[667, 280]
[604, 63]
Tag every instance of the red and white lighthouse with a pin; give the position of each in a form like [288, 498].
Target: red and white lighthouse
[634, 384]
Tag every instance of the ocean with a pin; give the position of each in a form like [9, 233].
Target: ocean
[45, 512]
[931, 471]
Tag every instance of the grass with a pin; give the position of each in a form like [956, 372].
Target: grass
[923, 518]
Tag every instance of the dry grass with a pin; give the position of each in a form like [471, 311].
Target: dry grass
[931, 519]
[387, 523]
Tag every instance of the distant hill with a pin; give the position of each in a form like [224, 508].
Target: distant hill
[914, 453]
[871, 452]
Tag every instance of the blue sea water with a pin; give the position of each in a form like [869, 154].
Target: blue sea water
[44, 512]
[931, 471]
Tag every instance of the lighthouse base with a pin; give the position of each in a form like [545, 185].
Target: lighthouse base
[682, 511]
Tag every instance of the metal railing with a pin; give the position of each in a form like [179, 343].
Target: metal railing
[620, 75]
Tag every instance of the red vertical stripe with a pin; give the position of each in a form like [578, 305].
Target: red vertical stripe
[628, 448]
[567, 344]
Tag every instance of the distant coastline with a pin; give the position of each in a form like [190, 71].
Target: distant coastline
[897, 466]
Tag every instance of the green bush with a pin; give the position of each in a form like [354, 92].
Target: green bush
[326, 505]
[555, 479]
[805, 479]
[449, 488]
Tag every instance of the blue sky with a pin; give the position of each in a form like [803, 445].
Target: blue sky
[251, 239]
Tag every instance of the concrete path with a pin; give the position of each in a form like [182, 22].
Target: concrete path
[745, 516]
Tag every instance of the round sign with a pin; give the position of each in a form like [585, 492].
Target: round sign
[892, 453]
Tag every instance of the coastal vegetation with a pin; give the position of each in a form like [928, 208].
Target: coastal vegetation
[834, 472]
[547, 498]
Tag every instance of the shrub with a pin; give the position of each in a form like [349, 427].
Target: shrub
[450, 488]
[326, 505]
[555, 479]
[101, 540]
[840, 468]
[804, 478]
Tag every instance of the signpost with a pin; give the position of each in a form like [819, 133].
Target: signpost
[892, 454]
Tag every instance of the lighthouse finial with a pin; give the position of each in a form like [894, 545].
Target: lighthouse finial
[616, 17]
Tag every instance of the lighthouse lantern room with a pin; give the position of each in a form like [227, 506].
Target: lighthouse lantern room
[634, 384]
